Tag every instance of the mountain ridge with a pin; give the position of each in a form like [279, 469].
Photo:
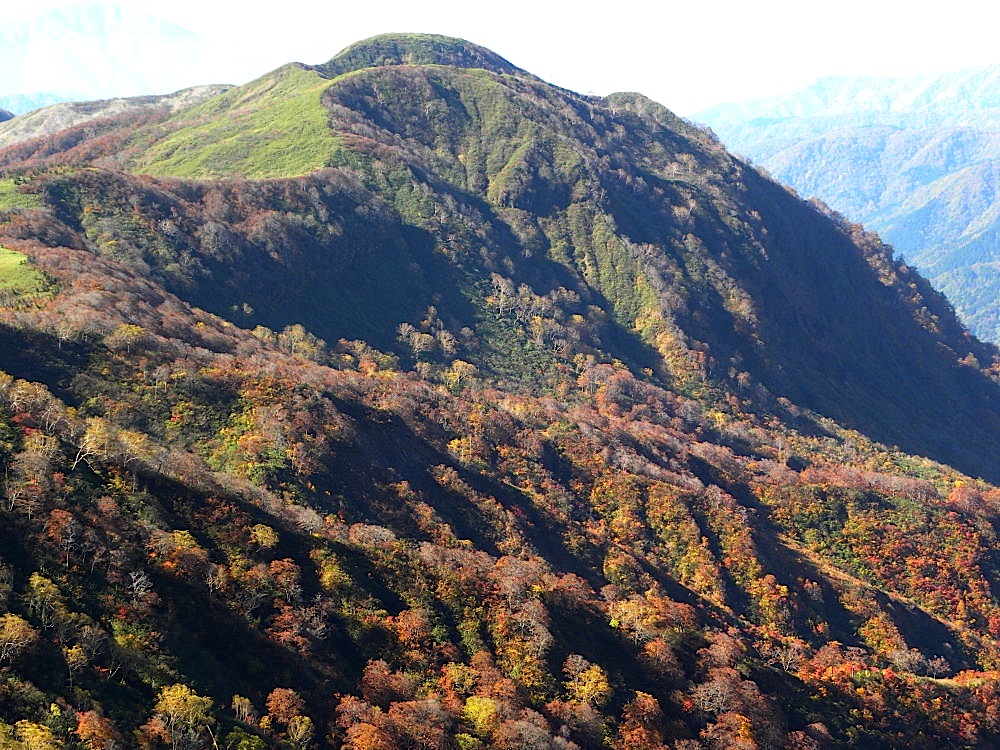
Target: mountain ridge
[451, 132]
[62, 115]
[22, 103]
[935, 94]
[497, 416]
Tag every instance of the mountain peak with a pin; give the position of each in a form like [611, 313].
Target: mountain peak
[416, 49]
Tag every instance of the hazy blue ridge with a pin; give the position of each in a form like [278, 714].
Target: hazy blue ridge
[914, 159]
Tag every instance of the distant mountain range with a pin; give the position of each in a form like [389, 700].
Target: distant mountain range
[917, 160]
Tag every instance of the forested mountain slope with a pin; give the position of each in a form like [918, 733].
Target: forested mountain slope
[409, 401]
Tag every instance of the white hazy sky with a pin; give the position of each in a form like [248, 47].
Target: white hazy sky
[687, 55]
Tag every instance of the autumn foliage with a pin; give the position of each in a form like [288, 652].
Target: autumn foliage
[476, 439]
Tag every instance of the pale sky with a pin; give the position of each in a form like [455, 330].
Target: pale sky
[686, 55]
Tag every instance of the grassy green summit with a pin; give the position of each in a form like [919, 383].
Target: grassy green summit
[278, 126]
[416, 49]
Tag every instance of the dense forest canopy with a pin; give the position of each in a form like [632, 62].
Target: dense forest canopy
[409, 401]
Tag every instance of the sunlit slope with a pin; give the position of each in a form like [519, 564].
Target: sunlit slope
[275, 126]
